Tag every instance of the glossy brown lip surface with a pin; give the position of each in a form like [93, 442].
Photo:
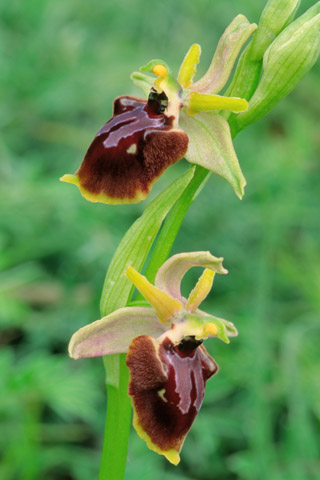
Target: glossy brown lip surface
[167, 387]
[131, 150]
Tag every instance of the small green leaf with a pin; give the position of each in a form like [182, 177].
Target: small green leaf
[210, 145]
[135, 245]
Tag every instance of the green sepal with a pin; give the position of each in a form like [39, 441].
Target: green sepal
[210, 145]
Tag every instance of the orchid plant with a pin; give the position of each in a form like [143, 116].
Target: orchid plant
[154, 357]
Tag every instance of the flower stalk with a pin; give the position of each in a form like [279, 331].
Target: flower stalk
[118, 422]
[119, 411]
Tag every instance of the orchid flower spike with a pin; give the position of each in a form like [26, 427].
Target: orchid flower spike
[179, 118]
[168, 364]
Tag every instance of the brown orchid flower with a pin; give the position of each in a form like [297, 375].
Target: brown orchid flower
[168, 364]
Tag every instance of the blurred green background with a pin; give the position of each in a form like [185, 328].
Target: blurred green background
[61, 65]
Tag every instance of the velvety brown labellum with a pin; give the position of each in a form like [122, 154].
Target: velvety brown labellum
[167, 387]
[132, 149]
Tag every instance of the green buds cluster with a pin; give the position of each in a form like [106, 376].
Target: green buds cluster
[285, 62]
[274, 18]
[276, 15]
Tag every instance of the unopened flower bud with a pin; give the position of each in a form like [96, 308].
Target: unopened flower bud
[285, 63]
[276, 15]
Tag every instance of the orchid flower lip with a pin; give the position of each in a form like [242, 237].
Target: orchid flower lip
[167, 392]
[131, 150]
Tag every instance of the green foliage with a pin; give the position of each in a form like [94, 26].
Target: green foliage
[62, 63]
[117, 289]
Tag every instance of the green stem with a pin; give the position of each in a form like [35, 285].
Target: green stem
[172, 224]
[117, 429]
[134, 247]
[118, 420]
[116, 436]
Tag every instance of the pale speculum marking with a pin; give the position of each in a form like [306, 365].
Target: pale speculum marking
[132, 149]
[161, 395]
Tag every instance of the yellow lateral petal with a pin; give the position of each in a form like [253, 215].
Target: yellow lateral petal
[165, 306]
[199, 102]
[201, 290]
[188, 67]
